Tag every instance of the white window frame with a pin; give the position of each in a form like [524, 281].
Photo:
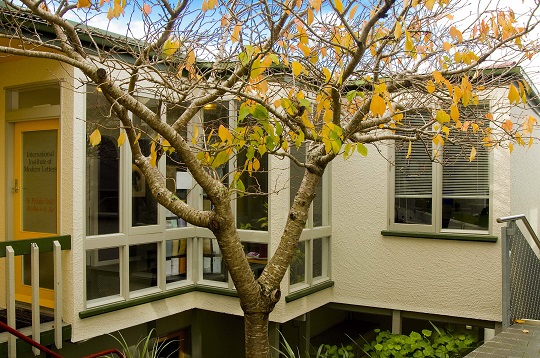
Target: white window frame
[310, 233]
[437, 197]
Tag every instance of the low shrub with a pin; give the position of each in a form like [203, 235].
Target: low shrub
[439, 343]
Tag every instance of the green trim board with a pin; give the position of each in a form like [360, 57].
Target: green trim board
[308, 291]
[442, 236]
[191, 288]
[155, 297]
[22, 247]
[46, 339]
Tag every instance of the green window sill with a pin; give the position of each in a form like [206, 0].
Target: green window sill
[441, 236]
[155, 297]
[308, 291]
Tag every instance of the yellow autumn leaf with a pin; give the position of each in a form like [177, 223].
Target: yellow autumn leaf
[339, 5]
[430, 86]
[454, 112]
[409, 150]
[473, 154]
[456, 34]
[442, 116]
[310, 16]
[446, 131]
[430, 4]
[121, 138]
[256, 164]
[83, 3]
[377, 105]
[298, 68]
[153, 154]
[510, 147]
[398, 30]
[170, 47]
[195, 134]
[235, 36]
[95, 137]
[305, 49]
[190, 58]
[513, 95]
[327, 74]
[447, 46]
[437, 76]
[224, 134]
[409, 45]
[353, 11]
[438, 140]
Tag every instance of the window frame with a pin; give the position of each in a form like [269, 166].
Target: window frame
[129, 235]
[436, 197]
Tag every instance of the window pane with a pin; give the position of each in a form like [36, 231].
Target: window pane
[214, 268]
[102, 273]
[465, 194]
[318, 258]
[413, 178]
[142, 266]
[214, 115]
[176, 260]
[318, 205]
[252, 208]
[33, 97]
[296, 173]
[102, 168]
[179, 180]
[465, 214]
[298, 265]
[257, 256]
[144, 206]
[40, 164]
[413, 211]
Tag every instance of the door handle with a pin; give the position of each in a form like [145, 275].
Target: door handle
[16, 187]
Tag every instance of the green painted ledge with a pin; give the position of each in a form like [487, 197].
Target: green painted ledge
[308, 291]
[442, 236]
[22, 247]
[155, 297]
[47, 339]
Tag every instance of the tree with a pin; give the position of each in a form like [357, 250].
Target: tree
[335, 76]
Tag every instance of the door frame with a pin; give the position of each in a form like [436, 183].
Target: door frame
[23, 293]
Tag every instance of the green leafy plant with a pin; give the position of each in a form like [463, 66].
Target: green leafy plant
[324, 351]
[328, 351]
[439, 343]
[145, 348]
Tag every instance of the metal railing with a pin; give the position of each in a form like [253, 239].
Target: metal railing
[9, 250]
[520, 271]
[49, 353]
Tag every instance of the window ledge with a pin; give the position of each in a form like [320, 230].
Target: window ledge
[94, 311]
[309, 290]
[442, 236]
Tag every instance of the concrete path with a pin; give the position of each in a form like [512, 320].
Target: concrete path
[519, 340]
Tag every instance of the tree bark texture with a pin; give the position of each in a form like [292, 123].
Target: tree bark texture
[256, 335]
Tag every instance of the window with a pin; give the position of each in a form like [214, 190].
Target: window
[134, 246]
[310, 262]
[446, 194]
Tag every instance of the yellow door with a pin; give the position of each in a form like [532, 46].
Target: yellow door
[35, 201]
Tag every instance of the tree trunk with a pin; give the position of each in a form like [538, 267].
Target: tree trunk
[256, 335]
